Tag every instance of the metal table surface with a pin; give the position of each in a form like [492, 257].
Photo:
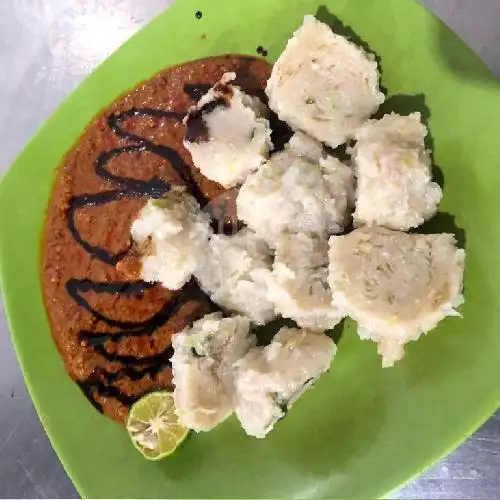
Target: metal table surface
[46, 48]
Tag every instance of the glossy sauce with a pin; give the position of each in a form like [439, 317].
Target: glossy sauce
[135, 367]
[113, 333]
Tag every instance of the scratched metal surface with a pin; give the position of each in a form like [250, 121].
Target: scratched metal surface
[46, 48]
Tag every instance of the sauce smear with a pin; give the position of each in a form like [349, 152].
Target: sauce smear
[115, 335]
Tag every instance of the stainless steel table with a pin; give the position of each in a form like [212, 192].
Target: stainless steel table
[46, 48]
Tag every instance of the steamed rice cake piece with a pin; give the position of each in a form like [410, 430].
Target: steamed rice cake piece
[175, 233]
[202, 367]
[298, 286]
[397, 286]
[394, 175]
[228, 133]
[303, 145]
[268, 380]
[236, 273]
[299, 190]
[323, 84]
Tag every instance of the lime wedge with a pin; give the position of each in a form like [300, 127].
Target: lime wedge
[154, 426]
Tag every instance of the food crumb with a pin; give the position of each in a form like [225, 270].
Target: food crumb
[262, 51]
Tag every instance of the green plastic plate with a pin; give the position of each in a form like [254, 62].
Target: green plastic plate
[362, 430]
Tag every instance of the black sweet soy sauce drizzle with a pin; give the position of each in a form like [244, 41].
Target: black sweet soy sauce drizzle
[196, 128]
[136, 368]
[196, 92]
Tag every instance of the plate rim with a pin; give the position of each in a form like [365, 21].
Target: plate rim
[486, 412]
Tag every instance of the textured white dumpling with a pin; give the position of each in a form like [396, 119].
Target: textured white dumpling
[393, 169]
[299, 286]
[299, 190]
[236, 274]
[268, 380]
[397, 286]
[202, 367]
[227, 133]
[304, 145]
[177, 232]
[324, 84]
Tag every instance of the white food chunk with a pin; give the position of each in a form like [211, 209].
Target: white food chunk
[297, 192]
[324, 84]
[299, 282]
[393, 168]
[178, 233]
[397, 286]
[202, 367]
[236, 273]
[301, 144]
[227, 133]
[270, 379]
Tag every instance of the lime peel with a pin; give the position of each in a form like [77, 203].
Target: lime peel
[153, 425]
